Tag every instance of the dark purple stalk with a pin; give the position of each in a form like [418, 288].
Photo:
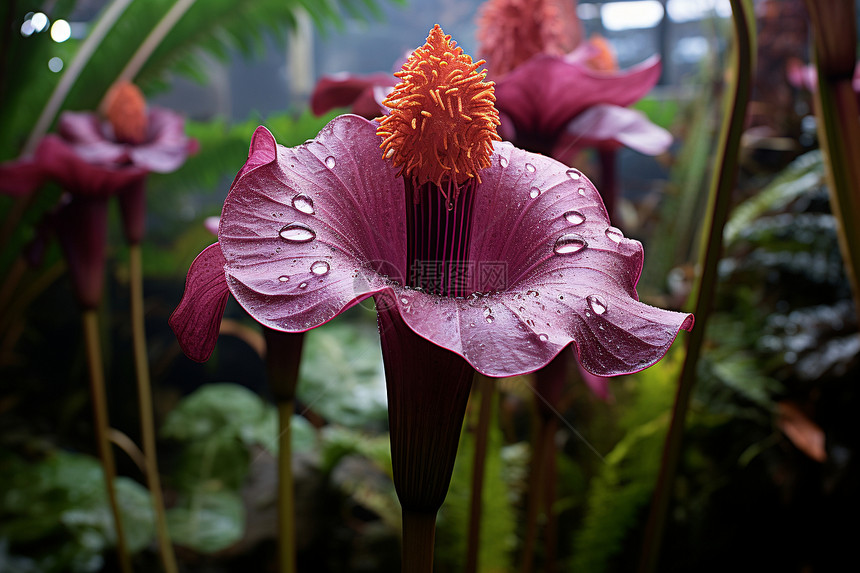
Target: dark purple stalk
[428, 386]
[609, 180]
[549, 386]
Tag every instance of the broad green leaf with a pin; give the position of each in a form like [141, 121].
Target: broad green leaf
[207, 521]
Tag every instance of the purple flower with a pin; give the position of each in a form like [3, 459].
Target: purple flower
[309, 231]
[92, 159]
[480, 256]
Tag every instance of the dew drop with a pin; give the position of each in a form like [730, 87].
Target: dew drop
[303, 286]
[404, 300]
[297, 233]
[534, 192]
[597, 304]
[614, 234]
[530, 168]
[569, 244]
[503, 161]
[581, 191]
[543, 337]
[574, 174]
[320, 268]
[304, 204]
[330, 162]
[490, 319]
[488, 311]
[574, 217]
[283, 278]
[472, 324]
[522, 309]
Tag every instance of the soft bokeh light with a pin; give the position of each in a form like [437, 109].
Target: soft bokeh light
[61, 31]
[39, 21]
[55, 64]
[690, 10]
[629, 15]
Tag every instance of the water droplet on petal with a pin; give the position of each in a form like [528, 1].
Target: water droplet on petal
[303, 286]
[304, 204]
[404, 300]
[581, 191]
[530, 168]
[320, 268]
[283, 278]
[503, 161]
[574, 217]
[534, 192]
[330, 162]
[615, 234]
[297, 233]
[543, 337]
[490, 319]
[522, 309]
[574, 174]
[597, 304]
[569, 244]
[488, 311]
[472, 324]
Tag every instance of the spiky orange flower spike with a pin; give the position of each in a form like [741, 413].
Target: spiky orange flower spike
[125, 109]
[443, 118]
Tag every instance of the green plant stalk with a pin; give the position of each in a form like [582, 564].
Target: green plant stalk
[145, 407]
[283, 357]
[286, 491]
[486, 388]
[100, 417]
[550, 476]
[839, 133]
[722, 184]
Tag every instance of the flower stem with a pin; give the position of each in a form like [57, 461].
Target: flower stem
[722, 185]
[486, 389]
[286, 493]
[534, 487]
[835, 34]
[419, 536]
[100, 416]
[283, 357]
[144, 396]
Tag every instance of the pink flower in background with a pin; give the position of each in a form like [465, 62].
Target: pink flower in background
[93, 158]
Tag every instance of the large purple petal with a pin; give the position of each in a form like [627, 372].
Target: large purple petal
[587, 296]
[340, 207]
[545, 93]
[167, 147]
[83, 132]
[355, 238]
[21, 177]
[610, 126]
[75, 174]
[197, 320]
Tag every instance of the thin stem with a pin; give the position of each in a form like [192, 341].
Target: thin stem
[286, 491]
[549, 477]
[722, 185]
[100, 417]
[534, 498]
[486, 389]
[419, 537]
[144, 395]
[10, 283]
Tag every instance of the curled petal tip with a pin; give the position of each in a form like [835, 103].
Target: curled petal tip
[197, 320]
